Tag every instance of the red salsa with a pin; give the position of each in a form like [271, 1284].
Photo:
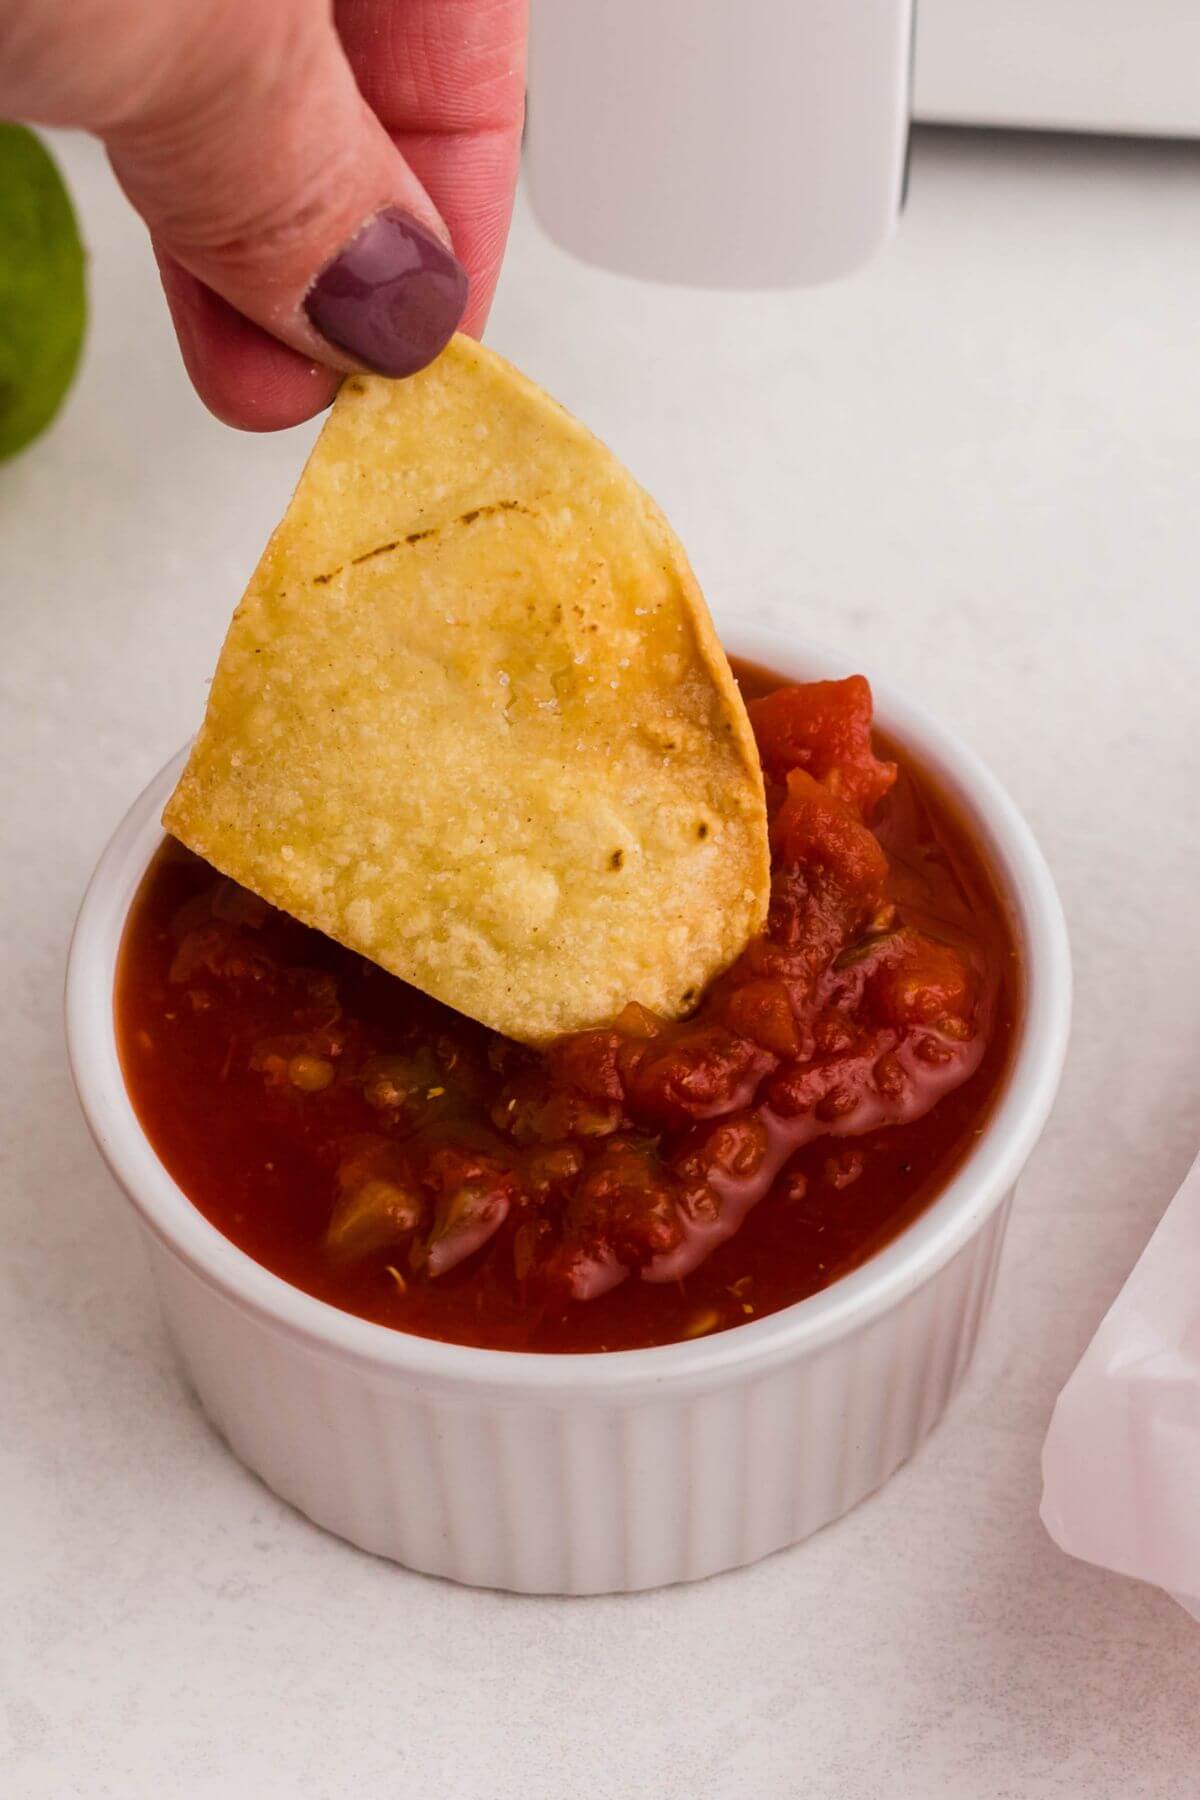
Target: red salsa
[633, 1185]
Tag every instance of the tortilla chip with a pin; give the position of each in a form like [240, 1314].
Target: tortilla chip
[471, 718]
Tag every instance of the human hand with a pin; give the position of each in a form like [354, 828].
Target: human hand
[302, 167]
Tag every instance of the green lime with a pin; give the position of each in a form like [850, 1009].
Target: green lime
[42, 299]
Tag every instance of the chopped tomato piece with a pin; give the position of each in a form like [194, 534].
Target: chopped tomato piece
[920, 982]
[762, 1010]
[732, 1149]
[701, 1071]
[588, 1061]
[816, 831]
[824, 728]
[625, 1204]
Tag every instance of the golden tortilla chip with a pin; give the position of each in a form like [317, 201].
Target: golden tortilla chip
[471, 718]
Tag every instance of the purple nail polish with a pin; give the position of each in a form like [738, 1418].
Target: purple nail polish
[392, 297]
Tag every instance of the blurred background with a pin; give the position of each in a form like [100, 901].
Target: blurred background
[975, 467]
[1069, 65]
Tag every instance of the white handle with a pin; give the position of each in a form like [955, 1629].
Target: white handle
[721, 143]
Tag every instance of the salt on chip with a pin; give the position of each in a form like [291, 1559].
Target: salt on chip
[471, 718]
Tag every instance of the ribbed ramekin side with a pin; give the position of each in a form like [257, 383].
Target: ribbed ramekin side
[544, 1493]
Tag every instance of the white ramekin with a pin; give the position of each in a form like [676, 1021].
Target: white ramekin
[586, 1474]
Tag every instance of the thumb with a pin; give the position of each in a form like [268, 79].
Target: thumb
[261, 170]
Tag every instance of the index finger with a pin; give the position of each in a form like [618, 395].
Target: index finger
[447, 80]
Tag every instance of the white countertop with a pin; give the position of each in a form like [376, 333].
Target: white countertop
[977, 466]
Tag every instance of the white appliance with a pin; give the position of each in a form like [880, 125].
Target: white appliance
[719, 143]
[763, 143]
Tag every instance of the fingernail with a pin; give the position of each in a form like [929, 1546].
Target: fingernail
[392, 298]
